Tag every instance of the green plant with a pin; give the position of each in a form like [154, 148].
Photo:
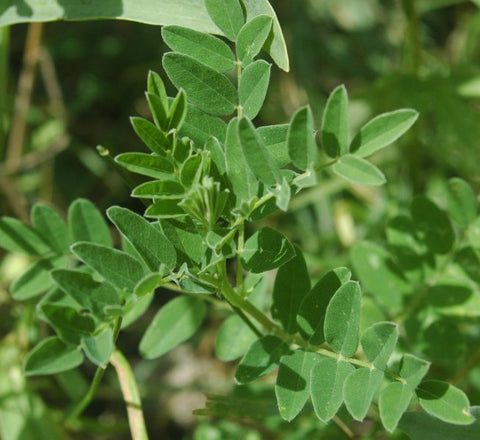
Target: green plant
[207, 181]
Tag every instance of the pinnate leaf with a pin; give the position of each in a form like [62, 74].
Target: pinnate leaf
[206, 88]
[52, 356]
[261, 358]
[117, 267]
[292, 284]
[342, 319]
[334, 131]
[326, 386]
[227, 15]
[87, 223]
[203, 47]
[381, 131]
[302, 147]
[266, 249]
[357, 170]
[293, 382]
[445, 402]
[148, 240]
[253, 87]
[173, 324]
[252, 37]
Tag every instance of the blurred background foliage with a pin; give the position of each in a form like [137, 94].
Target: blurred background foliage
[89, 77]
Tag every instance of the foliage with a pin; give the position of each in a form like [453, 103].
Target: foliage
[207, 174]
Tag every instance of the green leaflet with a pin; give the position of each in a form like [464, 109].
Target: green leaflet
[292, 388]
[217, 154]
[173, 324]
[117, 267]
[251, 38]
[16, 236]
[159, 189]
[379, 274]
[422, 426]
[159, 110]
[89, 294]
[292, 284]
[205, 48]
[359, 390]
[148, 284]
[51, 227]
[253, 87]
[342, 319]
[434, 224]
[200, 126]
[275, 139]
[209, 90]
[413, 369]
[178, 112]
[311, 315]
[68, 323]
[445, 402]
[36, 280]
[227, 15]
[234, 337]
[156, 167]
[461, 202]
[381, 131]
[242, 179]
[150, 243]
[378, 343]
[282, 192]
[156, 86]
[265, 250]
[261, 358]
[87, 223]
[150, 135]
[334, 131]
[256, 154]
[52, 356]
[393, 402]
[136, 310]
[326, 386]
[191, 170]
[357, 170]
[99, 348]
[302, 147]
[166, 208]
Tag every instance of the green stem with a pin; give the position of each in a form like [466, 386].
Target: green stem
[131, 396]
[240, 243]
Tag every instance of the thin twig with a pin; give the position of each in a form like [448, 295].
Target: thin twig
[15, 198]
[348, 432]
[23, 97]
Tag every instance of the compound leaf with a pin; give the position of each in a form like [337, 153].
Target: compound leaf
[173, 324]
[87, 223]
[265, 250]
[52, 356]
[206, 88]
[293, 382]
[205, 48]
[326, 386]
[253, 87]
[381, 131]
[342, 319]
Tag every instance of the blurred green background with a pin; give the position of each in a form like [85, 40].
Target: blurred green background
[91, 76]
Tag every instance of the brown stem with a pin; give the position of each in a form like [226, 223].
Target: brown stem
[23, 98]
